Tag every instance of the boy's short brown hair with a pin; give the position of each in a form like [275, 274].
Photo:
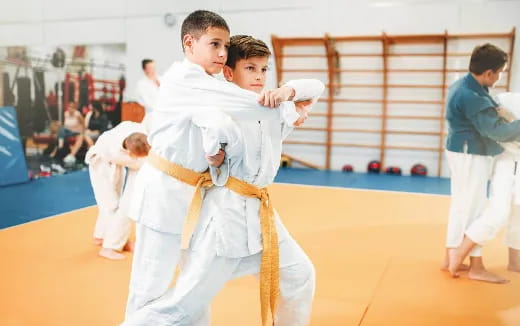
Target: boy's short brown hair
[144, 62]
[137, 144]
[485, 57]
[199, 21]
[243, 47]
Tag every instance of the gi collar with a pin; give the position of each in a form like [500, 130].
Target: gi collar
[474, 85]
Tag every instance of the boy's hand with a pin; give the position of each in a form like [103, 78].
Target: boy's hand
[303, 109]
[506, 114]
[216, 160]
[273, 97]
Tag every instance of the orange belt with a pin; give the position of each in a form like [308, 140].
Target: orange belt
[270, 264]
[195, 179]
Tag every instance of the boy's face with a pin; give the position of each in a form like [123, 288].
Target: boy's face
[209, 50]
[248, 73]
[71, 107]
[492, 77]
[149, 69]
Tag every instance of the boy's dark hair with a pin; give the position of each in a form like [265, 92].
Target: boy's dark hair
[199, 21]
[244, 47]
[97, 106]
[145, 62]
[485, 57]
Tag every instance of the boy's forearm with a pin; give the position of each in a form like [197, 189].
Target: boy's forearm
[239, 104]
[125, 160]
[488, 125]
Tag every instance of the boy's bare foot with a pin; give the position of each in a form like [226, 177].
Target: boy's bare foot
[98, 241]
[514, 260]
[446, 263]
[455, 260]
[486, 276]
[129, 246]
[111, 254]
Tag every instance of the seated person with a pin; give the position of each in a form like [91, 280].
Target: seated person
[96, 122]
[73, 126]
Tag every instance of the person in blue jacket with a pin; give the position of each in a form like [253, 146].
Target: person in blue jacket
[475, 128]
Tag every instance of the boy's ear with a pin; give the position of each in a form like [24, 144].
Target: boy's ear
[228, 73]
[187, 41]
[488, 73]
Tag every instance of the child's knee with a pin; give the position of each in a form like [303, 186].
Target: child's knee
[304, 274]
[311, 272]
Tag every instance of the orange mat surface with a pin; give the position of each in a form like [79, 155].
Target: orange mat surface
[377, 257]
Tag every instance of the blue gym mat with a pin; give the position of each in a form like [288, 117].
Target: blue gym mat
[428, 185]
[46, 197]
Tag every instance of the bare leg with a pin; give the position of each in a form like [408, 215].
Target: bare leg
[89, 141]
[98, 241]
[512, 239]
[446, 263]
[514, 260]
[54, 151]
[77, 145]
[457, 256]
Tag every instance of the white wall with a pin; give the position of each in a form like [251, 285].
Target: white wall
[140, 25]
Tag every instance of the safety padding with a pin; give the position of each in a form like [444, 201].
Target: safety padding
[12, 159]
[132, 111]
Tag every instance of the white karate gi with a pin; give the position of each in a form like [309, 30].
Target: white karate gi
[227, 242]
[469, 179]
[107, 160]
[186, 125]
[147, 93]
[504, 200]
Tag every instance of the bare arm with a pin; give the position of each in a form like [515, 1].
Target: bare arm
[81, 122]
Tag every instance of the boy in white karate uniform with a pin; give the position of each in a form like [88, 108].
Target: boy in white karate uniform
[148, 86]
[233, 237]
[122, 147]
[188, 130]
[504, 200]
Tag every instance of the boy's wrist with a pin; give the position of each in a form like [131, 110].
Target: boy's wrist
[291, 93]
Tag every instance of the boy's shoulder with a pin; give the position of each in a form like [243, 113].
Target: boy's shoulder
[124, 127]
[180, 70]
[459, 91]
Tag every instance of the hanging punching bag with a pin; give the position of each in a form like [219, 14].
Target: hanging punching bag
[40, 116]
[24, 106]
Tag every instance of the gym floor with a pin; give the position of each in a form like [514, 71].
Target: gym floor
[376, 242]
[45, 197]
